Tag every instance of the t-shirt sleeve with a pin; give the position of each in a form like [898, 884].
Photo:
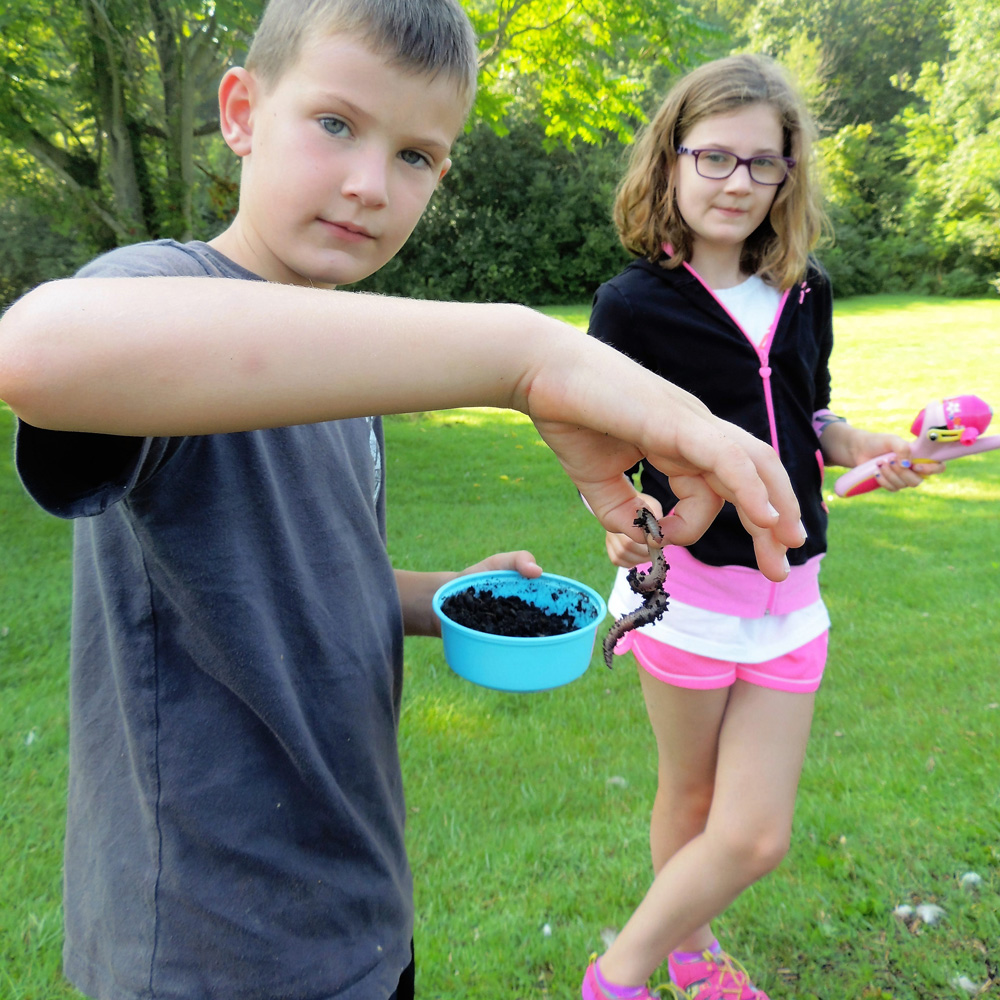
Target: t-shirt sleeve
[72, 474]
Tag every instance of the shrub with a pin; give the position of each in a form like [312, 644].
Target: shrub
[513, 223]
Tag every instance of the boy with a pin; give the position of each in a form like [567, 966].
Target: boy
[235, 817]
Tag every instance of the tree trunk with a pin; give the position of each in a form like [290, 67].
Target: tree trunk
[111, 113]
[178, 119]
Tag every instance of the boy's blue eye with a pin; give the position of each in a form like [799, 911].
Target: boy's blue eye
[334, 126]
[413, 158]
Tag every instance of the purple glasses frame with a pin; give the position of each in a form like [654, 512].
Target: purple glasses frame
[740, 162]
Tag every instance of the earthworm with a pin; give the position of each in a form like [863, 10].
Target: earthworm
[649, 586]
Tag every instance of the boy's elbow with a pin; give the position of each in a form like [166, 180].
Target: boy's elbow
[27, 364]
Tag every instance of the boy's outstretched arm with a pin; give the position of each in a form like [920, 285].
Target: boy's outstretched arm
[173, 356]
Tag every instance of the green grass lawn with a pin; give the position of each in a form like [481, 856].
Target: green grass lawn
[528, 813]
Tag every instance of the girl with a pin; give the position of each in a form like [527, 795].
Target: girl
[720, 210]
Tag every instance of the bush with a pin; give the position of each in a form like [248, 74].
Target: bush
[513, 223]
[37, 246]
[890, 235]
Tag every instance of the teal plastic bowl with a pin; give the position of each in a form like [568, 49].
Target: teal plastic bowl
[518, 663]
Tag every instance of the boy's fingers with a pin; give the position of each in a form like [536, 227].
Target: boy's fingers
[753, 479]
[770, 552]
[521, 560]
[695, 512]
[697, 507]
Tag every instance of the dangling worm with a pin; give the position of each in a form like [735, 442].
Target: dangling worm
[648, 585]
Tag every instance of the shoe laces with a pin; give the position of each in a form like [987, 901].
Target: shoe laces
[665, 991]
[668, 991]
[728, 978]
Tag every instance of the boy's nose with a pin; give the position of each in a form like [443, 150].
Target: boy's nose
[367, 180]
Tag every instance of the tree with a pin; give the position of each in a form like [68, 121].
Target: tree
[544, 236]
[916, 201]
[109, 97]
[952, 151]
[579, 67]
[859, 48]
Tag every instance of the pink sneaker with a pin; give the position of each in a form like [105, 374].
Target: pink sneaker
[715, 976]
[595, 987]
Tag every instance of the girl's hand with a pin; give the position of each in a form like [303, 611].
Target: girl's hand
[898, 471]
[624, 551]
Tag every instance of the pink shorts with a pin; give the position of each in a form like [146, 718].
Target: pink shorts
[799, 671]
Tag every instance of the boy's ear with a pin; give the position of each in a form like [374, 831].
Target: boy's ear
[237, 93]
[445, 167]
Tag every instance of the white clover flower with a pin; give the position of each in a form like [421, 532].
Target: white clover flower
[971, 880]
[930, 913]
[964, 983]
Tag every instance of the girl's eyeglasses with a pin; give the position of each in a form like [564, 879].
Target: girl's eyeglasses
[717, 165]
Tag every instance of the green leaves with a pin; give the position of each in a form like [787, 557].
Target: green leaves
[916, 201]
[952, 143]
[580, 68]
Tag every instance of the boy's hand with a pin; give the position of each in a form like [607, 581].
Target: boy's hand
[625, 551]
[601, 413]
[708, 461]
[416, 590]
[522, 561]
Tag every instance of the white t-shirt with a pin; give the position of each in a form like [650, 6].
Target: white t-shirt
[753, 304]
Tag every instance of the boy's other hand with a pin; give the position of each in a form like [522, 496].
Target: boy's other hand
[416, 589]
[522, 561]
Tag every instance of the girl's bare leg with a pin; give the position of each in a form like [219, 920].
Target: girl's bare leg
[756, 738]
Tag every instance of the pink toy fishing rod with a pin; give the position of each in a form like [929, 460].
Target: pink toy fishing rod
[950, 428]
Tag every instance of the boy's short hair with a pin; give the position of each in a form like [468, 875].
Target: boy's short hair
[646, 211]
[426, 36]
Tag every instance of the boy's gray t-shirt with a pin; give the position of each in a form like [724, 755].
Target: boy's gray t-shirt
[235, 811]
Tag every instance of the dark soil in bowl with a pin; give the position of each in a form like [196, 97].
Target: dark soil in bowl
[500, 614]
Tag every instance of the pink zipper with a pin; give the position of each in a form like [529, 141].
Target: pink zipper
[763, 351]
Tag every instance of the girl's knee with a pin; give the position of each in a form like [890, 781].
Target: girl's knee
[690, 800]
[686, 796]
[755, 850]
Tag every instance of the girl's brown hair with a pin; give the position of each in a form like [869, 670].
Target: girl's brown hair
[646, 211]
